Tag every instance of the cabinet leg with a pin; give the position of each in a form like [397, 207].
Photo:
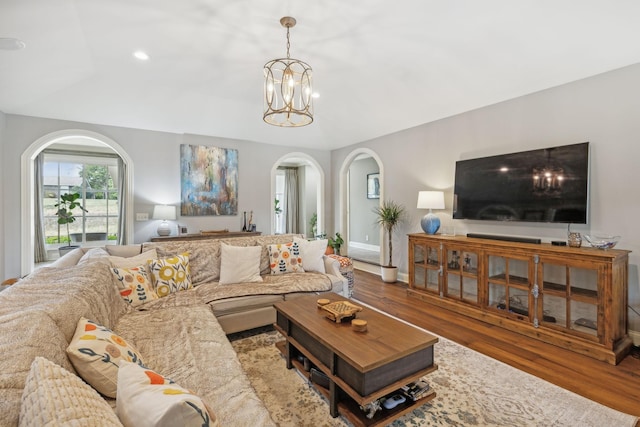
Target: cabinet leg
[288, 355]
[333, 399]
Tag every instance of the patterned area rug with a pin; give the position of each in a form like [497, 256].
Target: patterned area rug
[472, 390]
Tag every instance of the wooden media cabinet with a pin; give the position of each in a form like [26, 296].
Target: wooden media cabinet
[575, 298]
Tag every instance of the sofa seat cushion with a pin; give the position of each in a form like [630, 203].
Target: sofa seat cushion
[188, 345]
[272, 285]
[227, 306]
[177, 299]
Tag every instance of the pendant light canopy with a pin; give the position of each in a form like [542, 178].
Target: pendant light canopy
[288, 89]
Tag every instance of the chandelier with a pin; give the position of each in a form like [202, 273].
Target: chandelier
[548, 179]
[288, 89]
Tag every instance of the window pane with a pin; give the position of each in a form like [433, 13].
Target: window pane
[93, 178]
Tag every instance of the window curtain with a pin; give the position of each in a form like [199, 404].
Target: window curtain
[40, 252]
[122, 209]
[291, 211]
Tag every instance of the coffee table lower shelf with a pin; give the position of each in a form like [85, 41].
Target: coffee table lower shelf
[347, 406]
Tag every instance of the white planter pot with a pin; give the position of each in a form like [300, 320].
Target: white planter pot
[63, 250]
[389, 274]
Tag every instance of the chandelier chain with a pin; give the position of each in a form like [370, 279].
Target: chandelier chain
[288, 43]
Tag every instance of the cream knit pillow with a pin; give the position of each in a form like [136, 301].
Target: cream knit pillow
[54, 396]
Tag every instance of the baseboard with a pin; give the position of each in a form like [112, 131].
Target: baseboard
[635, 337]
[365, 266]
[365, 246]
[375, 269]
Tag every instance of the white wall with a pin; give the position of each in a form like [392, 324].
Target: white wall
[362, 220]
[2, 192]
[603, 110]
[156, 176]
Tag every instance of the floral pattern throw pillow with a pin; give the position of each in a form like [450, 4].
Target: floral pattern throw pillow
[148, 399]
[134, 285]
[95, 351]
[285, 258]
[171, 274]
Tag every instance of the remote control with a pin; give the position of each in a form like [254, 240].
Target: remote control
[394, 401]
[587, 323]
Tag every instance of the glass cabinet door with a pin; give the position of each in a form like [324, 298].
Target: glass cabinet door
[426, 267]
[570, 297]
[462, 275]
[509, 284]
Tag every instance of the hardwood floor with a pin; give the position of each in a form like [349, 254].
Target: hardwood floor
[615, 386]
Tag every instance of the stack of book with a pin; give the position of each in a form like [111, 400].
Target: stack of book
[417, 390]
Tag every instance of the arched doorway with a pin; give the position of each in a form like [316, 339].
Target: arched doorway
[27, 185]
[345, 208]
[313, 189]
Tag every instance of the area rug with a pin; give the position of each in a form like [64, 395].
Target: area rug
[472, 390]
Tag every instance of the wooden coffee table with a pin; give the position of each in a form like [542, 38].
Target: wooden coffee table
[362, 366]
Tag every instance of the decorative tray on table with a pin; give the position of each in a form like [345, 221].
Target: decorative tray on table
[339, 310]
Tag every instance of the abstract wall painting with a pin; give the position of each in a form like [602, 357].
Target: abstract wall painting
[208, 180]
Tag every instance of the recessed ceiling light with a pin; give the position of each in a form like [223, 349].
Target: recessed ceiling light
[11, 44]
[141, 55]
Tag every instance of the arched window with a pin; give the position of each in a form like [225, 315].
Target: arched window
[30, 186]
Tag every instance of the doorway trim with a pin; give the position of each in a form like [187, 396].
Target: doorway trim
[343, 210]
[319, 189]
[27, 213]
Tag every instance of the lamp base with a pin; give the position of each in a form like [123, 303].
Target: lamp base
[163, 229]
[430, 223]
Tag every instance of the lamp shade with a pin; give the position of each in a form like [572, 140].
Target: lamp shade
[164, 212]
[431, 200]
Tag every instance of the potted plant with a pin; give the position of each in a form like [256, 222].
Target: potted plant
[68, 202]
[334, 243]
[389, 215]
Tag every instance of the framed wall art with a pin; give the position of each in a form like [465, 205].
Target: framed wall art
[208, 180]
[373, 186]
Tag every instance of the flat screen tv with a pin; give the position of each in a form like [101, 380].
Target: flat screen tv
[545, 185]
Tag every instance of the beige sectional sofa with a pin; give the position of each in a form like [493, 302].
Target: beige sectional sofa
[181, 336]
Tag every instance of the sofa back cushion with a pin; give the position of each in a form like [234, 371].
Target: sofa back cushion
[66, 294]
[205, 255]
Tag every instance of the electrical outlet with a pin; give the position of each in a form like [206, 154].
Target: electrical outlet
[366, 238]
[142, 217]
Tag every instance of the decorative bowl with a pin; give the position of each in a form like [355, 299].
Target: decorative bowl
[602, 242]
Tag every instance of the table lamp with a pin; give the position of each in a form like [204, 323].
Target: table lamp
[164, 213]
[430, 223]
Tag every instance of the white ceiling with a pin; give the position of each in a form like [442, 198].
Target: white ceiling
[379, 66]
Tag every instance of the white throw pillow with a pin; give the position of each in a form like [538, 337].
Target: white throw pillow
[147, 399]
[53, 396]
[239, 264]
[134, 261]
[312, 253]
